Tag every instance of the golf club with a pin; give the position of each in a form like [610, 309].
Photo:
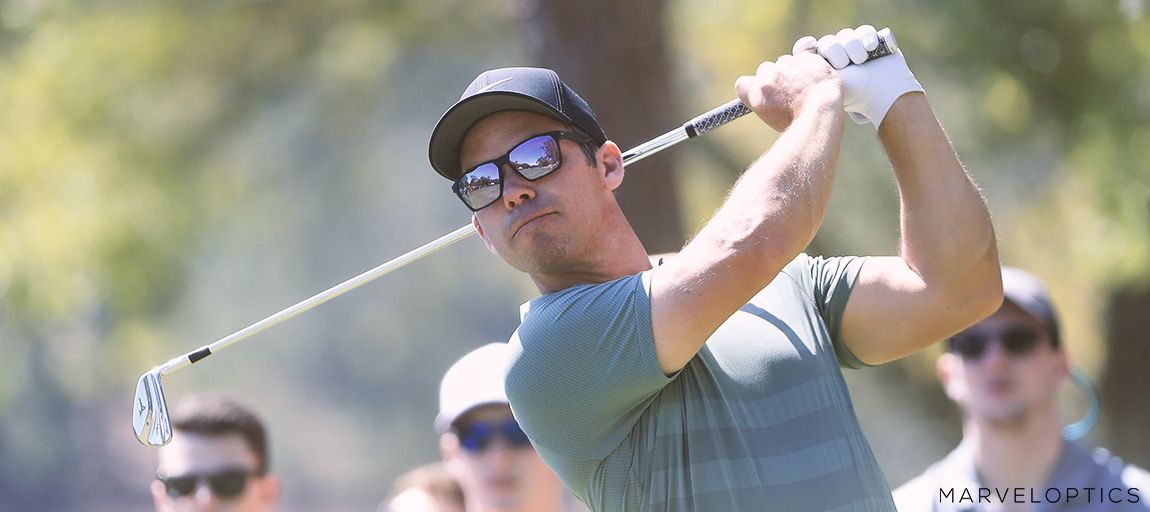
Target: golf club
[150, 420]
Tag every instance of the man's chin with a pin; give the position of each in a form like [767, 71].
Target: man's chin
[502, 501]
[542, 255]
[1005, 416]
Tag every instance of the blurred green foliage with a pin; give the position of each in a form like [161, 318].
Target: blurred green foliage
[172, 171]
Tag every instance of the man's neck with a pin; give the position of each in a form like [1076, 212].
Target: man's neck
[1016, 454]
[618, 253]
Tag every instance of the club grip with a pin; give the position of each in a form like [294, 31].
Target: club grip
[715, 118]
[886, 45]
[735, 109]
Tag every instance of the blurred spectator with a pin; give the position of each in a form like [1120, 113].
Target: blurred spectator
[428, 488]
[1004, 373]
[217, 460]
[482, 444]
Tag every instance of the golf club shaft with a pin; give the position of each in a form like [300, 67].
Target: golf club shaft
[700, 125]
[693, 128]
[317, 299]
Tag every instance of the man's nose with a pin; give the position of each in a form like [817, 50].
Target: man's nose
[995, 353]
[516, 189]
[204, 499]
[500, 453]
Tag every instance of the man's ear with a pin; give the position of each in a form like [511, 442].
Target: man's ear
[945, 367]
[1063, 364]
[448, 446]
[159, 496]
[270, 490]
[612, 160]
[479, 229]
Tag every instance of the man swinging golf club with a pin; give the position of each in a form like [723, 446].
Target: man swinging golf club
[712, 381]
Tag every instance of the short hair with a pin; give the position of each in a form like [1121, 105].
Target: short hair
[214, 415]
[588, 147]
[434, 478]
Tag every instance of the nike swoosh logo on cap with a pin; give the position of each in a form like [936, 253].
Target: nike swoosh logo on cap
[489, 86]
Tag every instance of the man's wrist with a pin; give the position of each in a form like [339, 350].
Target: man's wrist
[903, 110]
[823, 98]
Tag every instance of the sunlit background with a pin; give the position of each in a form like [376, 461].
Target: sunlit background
[171, 171]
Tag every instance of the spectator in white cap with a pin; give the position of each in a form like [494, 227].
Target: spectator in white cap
[482, 444]
[1004, 373]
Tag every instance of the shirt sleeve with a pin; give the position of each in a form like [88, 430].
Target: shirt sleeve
[832, 280]
[583, 367]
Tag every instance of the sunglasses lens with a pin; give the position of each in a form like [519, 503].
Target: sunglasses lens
[179, 486]
[1015, 341]
[515, 435]
[969, 345]
[1019, 341]
[536, 158]
[476, 437]
[228, 484]
[480, 186]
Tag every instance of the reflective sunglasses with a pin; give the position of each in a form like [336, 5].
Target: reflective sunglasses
[225, 484]
[1016, 341]
[478, 436]
[532, 159]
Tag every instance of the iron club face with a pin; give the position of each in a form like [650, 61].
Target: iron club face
[150, 411]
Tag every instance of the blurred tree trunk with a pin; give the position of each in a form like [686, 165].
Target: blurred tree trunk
[614, 54]
[1124, 396]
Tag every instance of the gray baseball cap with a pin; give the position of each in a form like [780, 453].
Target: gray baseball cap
[1027, 292]
[535, 90]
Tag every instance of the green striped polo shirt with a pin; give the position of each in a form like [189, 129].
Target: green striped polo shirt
[760, 419]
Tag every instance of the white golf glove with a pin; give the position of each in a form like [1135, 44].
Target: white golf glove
[869, 87]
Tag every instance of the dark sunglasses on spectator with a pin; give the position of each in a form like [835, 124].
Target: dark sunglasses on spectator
[1016, 341]
[532, 159]
[478, 436]
[225, 484]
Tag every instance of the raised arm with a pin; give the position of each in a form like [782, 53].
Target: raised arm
[769, 216]
[946, 275]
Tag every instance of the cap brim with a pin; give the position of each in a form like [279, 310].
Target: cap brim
[443, 150]
[443, 421]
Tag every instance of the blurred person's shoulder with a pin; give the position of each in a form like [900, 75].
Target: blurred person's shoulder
[1131, 476]
[948, 484]
[917, 494]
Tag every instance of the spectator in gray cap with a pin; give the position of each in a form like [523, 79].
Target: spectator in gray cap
[482, 444]
[1004, 373]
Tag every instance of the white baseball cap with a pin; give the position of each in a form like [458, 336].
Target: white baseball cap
[475, 380]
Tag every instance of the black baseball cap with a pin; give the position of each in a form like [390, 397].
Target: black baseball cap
[535, 90]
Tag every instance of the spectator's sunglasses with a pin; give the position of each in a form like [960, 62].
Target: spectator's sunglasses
[1016, 341]
[477, 436]
[532, 159]
[225, 484]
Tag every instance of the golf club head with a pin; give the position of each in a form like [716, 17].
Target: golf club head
[150, 411]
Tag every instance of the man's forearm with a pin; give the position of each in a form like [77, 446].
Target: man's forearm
[947, 234]
[779, 202]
